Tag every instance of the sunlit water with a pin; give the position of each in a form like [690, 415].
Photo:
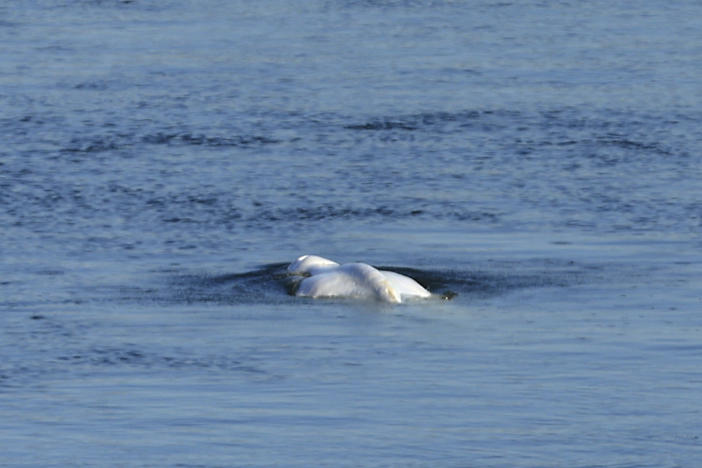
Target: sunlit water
[162, 162]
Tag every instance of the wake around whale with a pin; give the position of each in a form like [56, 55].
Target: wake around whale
[321, 277]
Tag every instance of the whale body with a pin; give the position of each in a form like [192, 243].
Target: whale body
[321, 277]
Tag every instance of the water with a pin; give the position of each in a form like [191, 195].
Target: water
[161, 162]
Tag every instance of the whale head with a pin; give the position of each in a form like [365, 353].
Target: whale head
[310, 265]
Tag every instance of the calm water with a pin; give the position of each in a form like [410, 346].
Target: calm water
[162, 161]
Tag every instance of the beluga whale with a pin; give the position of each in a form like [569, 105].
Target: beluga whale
[316, 276]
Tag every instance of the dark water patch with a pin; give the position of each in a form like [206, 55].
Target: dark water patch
[434, 121]
[470, 215]
[264, 285]
[608, 129]
[92, 145]
[97, 85]
[387, 5]
[625, 143]
[129, 356]
[328, 212]
[622, 136]
[382, 125]
[9, 24]
[35, 370]
[483, 283]
[368, 213]
[177, 219]
[272, 284]
[208, 141]
[121, 141]
[677, 349]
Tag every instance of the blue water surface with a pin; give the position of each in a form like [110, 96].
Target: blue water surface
[161, 163]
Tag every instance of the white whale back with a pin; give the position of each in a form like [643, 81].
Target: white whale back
[405, 285]
[350, 280]
[310, 265]
[326, 278]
